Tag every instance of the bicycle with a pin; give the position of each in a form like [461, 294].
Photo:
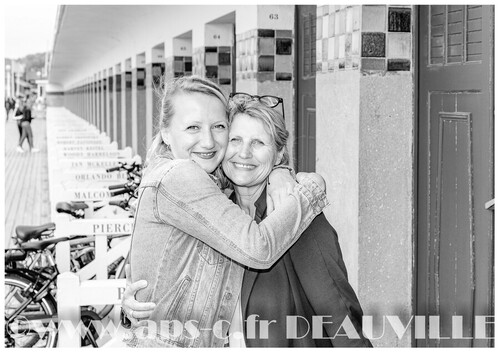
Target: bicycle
[30, 301]
[77, 209]
[24, 235]
[30, 305]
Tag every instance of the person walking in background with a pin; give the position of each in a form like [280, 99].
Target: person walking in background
[27, 132]
[17, 116]
[12, 105]
[9, 106]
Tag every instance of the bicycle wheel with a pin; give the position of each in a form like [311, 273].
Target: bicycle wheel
[33, 327]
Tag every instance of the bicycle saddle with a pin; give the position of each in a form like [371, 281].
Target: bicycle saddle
[26, 233]
[42, 244]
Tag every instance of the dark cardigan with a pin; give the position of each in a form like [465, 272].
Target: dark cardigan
[309, 280]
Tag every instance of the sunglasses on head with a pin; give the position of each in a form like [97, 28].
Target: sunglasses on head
[269, 101]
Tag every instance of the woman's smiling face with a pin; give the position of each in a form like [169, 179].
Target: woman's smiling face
[251, 153]
[198, 130]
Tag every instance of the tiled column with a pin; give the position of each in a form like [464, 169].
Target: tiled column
[81, 101]
[111, 98]
[97, 101]
[67, 99]
[89, 103]
[103, 106]
[101, 101]
[155, 68]
[364, 110]
[158, 70]
[86, 101]
[178, 66]
[133, 114]
[80, 105]
[181, 61]
[379, 46]
[127, 101]
[214, 60]
[77, 105]
[92, 101]
[97, 107]
[122, 133]
[117, 118]
[75, 100]
[265, 57]
[139, 112]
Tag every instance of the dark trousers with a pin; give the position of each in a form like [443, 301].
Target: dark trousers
[20, 128]
[27, 133]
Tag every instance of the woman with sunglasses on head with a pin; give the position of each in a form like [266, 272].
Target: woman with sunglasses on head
[310, 280]
[189, 240]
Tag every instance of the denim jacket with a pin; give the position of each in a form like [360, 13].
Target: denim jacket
[190, 241]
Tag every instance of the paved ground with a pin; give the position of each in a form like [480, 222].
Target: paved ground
[26, 180]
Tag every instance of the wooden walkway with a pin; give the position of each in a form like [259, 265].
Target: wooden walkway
[26, 179]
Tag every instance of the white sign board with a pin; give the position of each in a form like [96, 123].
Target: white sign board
[125, 153]
[94, 227]
[100, 164]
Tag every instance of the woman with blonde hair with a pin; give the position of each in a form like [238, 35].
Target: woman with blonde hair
[189, 240]
[310, 280]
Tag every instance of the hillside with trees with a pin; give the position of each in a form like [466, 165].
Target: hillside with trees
[34, 62]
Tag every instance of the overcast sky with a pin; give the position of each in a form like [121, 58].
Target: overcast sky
[28, 27]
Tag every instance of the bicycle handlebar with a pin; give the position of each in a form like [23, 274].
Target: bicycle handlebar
[113, 169]
[119, 192]
[129, 168]
[117, 186]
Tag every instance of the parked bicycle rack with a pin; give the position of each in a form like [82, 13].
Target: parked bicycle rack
[101, 229]
[78, 156]
[73, 294]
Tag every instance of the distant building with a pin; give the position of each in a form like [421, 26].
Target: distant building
[15, 80]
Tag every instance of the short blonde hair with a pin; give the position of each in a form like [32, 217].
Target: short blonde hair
[271, 118]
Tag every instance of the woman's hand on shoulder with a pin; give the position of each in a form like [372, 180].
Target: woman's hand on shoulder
[318, 179]
[135, 311]
[280, 185]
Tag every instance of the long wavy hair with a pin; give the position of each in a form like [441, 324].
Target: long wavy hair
[166, 92]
